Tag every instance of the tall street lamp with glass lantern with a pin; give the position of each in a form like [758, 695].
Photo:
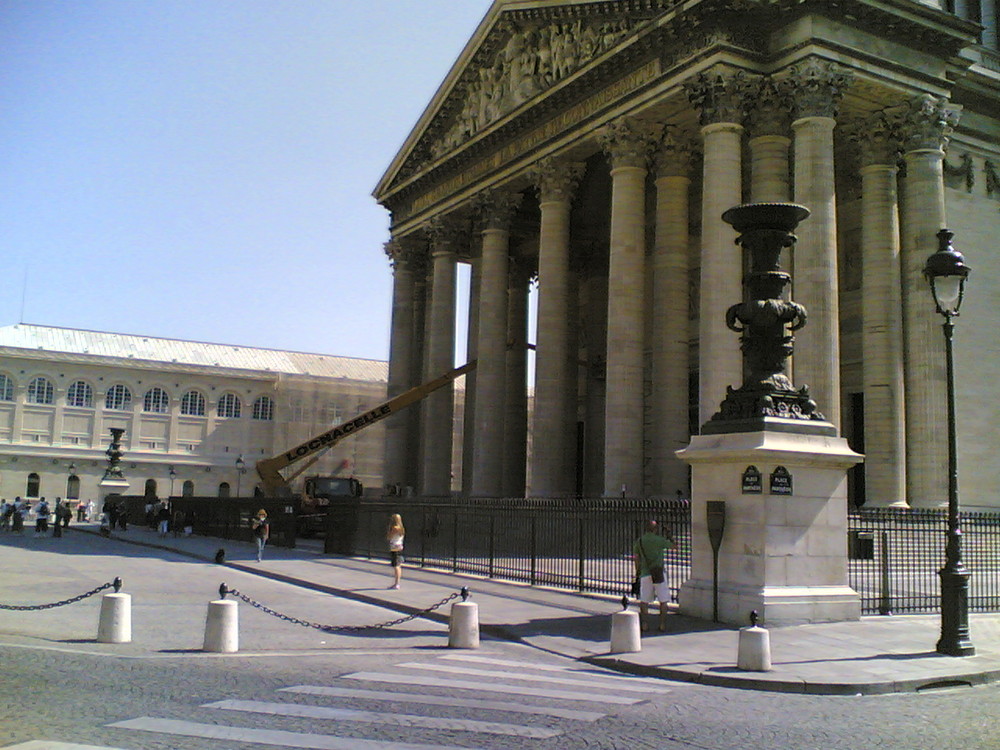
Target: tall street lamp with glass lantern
[173, 475]
[947, 272]
[241, 469]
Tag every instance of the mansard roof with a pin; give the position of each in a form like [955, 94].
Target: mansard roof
[93, 346]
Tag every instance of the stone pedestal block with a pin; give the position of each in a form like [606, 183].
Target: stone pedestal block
[784, 547]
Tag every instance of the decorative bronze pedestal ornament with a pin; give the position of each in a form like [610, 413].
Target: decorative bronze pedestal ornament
[765, 321]
[114, 454]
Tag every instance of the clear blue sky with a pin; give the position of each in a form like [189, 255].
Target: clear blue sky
[203, 169]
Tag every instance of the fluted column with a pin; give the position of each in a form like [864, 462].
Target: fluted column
[767, 129]
[927, 123]
[515, 425]
[671, 329]
[718, 96]
[401, 353]
[487, 452]
[629, 144]
[882, 316]
[817, 88]
[553, 430]
[472, 351]
[439, 407]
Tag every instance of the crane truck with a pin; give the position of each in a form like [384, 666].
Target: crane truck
[322, 491]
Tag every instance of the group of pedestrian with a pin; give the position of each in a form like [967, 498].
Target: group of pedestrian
[14, 515]
[114, 515]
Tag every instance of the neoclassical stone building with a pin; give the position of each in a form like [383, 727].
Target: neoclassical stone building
[189, 407]
[594, 145]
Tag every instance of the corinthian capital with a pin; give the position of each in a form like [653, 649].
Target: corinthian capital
[675, 154]
[815, 87]
[497, 208]
[444, 233]
[556, 179]
[769, 112]
[876, 139]
[719, 95]
[926, 122]
[629, 142]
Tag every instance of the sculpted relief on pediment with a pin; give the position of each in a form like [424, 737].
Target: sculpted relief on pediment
[533, 59]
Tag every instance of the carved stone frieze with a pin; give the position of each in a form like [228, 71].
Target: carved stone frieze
[719, 95]
[926, 122]
[629, 142]
[815, 87]
[557, 179]
[534, 58]
[497, 208]
[769, 113]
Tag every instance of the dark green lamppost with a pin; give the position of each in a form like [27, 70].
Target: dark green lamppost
[946, 272]
[241, 469]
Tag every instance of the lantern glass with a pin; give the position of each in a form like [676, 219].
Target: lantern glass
[948, 293]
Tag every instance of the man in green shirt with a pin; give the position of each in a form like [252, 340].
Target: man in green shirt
[648, 552]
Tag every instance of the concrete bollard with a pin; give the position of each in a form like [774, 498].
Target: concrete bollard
[625, 636]
[463, 626]
[754, 653]
[115, 623]
[222, 632]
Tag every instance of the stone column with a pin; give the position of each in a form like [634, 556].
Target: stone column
[439, 407]
[419, 268]
[927, 123]
[553, 431]
[397, 437]
[515, 426]
[671, 329]
[628, 144]
[718, 96]
[487, 452]
[767, 127]
[816, 89]
[472, 352]
[882, 316]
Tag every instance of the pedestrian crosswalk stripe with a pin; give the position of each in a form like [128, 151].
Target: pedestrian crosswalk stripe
[302, 740]
[596, 673]
[588, 682]
[431, 700]
[491, 687]
[377, 717]
[50, 745]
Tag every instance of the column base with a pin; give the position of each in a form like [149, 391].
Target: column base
[776, 605]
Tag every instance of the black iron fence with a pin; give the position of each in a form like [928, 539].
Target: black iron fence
[895, 554]
[578, 544]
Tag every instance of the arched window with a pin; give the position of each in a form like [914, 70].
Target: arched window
[156, 401]
[80, 394]
[224, 489]
[40, 391]
[6, 388]
[73, 488]
[34, 485]
[230, 406]
[150, 490]
[118, 398]
[193, 404]
[188, 489]
[263, 409]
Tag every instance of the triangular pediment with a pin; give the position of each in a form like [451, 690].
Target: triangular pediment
[521, 50]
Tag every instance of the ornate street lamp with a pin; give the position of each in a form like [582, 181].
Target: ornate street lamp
[173, 475]
[946, 273]
[241, 468]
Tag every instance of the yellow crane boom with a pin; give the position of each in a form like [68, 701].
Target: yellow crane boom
[269, 469]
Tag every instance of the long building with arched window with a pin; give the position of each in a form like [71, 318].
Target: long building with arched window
[189, 411]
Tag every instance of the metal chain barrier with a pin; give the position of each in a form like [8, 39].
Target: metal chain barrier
[116, 584]
[223, 590]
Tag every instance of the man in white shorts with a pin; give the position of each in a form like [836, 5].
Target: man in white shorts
[648, 551]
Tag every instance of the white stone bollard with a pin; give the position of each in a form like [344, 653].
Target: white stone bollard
[625, 636]
[222, 632]
[115, 623]
[463, 627]
[754, 650]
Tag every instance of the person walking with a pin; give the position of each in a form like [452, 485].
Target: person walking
[163, 518]
[6, 513]
[648, 552]
[57, 522]
[261, 531]
[17, 520]
[394, 536]
[42, 518]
